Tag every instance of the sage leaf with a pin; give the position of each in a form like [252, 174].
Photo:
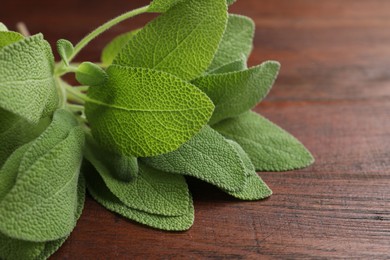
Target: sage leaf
[16, 131]
[255, 188]
[269, 147]
[102, 195]
[237, 65]
[65, 50]
[161, 6]
[152, 191]
[3, 28]
[90, 74]
[123, 168]
[207, 156]
[115, 46]
[7, 38]
[236, 92]
[236, 41]
[41, 206]
[144, 112]
[26, 78]
[19, 249]
[181, 41]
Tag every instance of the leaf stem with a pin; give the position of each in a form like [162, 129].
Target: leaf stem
[75, 94]
[79, 46]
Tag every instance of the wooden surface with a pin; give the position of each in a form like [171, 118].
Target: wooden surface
[333, 94]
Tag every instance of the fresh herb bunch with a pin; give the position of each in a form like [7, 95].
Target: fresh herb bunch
[169, 100]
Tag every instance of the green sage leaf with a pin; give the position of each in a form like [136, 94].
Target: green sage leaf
[152, 191]
[238, 65]
[269, 147]
[102, 194]
[16, 131]
[161, 6]
[236, 41]
[144, 112]
[123, 168]
[236, 92]
[181, 41]
[90, 74]
[3, 28]
[7, 38]
[115, 46]
[26, 78]
[65, 50]
[255, 188]
[41, 206]
[207, 156]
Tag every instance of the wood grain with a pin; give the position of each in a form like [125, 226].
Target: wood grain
[333, 94]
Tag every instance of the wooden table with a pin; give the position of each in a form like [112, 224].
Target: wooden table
[333, 93]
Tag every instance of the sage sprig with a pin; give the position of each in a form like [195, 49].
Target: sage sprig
[169, 100]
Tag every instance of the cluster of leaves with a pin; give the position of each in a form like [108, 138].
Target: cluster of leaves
[169, 100]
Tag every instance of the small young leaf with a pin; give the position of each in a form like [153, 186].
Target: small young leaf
[144, 112]
[236, 92]
[269, 147]
[207, 156]
[3, 28]
[90, 74]
[236, 41]
[7, 38]
[102, 194]
[238, 65]
[123, 168]
[115, 46]
[152, 191]
[26, 78]
[181, 41]
[65, 50]
[255, 188]
[41, 206]
[16, 131]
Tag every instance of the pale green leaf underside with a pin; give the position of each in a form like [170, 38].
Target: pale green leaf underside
[144, 112]
[115, 46]
[65, 50]
[7, 38]
[41, 205]
[255, 188]
[11, 249]
[152, 191]
[236, 41]
[26, 78]
[236, 92]
[181, 41]
[123, 168]
[269, 147]
[102, 194]
[3, 28]
[207, 156]
[13, 132]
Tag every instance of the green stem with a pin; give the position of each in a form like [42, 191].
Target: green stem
[75, 94]
[75, 108]
[81, 88]
[79, 46]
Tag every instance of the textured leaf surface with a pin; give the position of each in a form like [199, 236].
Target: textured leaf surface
[65, 50]
[255, 188]
[152, 191]
[7, 38]
[161, 6]
[269, 147]
[144, 112]
[236, 41]
[115, 46]
[16, 131]
[102, 194]
[236, 92]
[234, 66]
[207, 156]
[123, 168]
[182, 41]
[18, 249]
[90, 74]
[26, 78]
[41, 205]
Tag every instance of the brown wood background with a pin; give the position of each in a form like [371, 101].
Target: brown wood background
[333, 93]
